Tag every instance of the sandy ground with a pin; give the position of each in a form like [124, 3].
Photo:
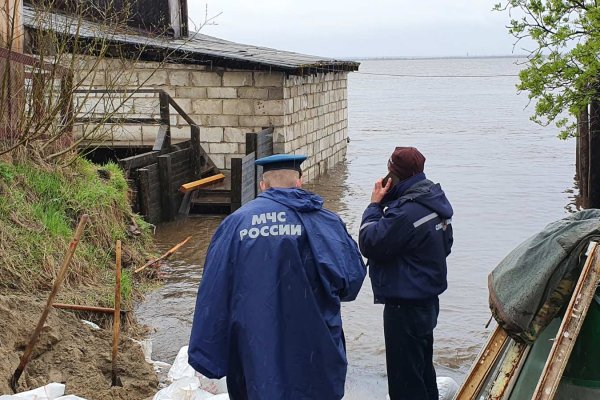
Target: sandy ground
[70, 352]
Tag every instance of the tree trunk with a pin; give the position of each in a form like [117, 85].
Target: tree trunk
[12, 84]
[583, 127]
[594, 156]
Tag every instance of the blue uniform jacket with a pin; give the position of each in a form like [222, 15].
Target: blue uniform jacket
[406, 239]
[268, 307]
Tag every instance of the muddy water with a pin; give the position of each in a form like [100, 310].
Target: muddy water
[505, 176]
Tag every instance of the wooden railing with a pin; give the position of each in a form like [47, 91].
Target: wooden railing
[156, 175]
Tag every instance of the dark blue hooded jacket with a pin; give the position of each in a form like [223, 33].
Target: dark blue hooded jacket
[268, 307]
[406, 239]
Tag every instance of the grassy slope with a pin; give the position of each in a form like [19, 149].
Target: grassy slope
[39, 210]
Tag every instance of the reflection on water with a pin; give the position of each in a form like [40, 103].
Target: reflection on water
[505, 176]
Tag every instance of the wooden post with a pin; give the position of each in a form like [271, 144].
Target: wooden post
[236, 183]
[165, 117]
[251, 142]
[12, 86]
[197, 161]
[116, 316]
[62, 272]
[593, 186]
[144, 194]
[167, 202]
[251, 147]
[583, 127]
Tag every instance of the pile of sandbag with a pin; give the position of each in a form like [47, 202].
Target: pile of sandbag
[187, 384]
[52, 391]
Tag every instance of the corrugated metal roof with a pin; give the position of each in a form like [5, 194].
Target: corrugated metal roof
[196, 49]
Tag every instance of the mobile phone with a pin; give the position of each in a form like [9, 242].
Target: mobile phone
[385, 180]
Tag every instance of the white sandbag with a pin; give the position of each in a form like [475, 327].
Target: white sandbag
[51, 391]
[70, 397]
[223, 396]
[186, 388]
[214, 386]
[181, 368]
[447, 387]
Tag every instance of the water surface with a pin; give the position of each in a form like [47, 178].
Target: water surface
[505, 176]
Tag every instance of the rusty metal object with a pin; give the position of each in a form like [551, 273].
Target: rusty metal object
[481, 369]
[570, 326]
[511, 364]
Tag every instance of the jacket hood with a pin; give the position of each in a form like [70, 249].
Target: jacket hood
[430, 195]
[295, 198]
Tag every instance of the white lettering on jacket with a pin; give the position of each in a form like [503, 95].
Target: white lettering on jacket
[272, 226]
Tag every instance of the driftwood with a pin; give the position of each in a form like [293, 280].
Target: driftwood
[76, 307]
[164, 256]
[59, 279]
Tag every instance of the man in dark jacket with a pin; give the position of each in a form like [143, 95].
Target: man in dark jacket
[268, 307]
[406, 234]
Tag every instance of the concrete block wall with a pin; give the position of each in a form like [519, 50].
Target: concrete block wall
[309, 113]
[315, 120]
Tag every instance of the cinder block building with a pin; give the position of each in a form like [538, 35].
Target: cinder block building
[229, 89]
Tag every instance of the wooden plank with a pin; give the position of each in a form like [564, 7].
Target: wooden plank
[166, 198]
[138, 161]
[186, 144]
[483, 366]
[117, 121]
[161, 138]
[180, 111]
[236, 183]
[188, 187]
[251, 142]
[144, 193]
[248, 183]
[184, 207]
[179, 156]
[583, 295]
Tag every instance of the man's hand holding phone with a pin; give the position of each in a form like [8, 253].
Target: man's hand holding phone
[380, 189]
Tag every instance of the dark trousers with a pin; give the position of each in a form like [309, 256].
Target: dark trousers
[408, 330]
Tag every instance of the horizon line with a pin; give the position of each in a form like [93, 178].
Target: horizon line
[367, 58]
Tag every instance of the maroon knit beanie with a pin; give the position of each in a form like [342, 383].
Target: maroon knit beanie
[406, 162]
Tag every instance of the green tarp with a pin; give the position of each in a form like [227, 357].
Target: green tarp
[535, 280]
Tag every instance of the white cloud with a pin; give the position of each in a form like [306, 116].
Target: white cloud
[362, 28]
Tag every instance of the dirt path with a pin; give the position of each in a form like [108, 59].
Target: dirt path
[68, 351]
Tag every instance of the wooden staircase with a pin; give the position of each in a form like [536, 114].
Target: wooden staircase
[213, 199]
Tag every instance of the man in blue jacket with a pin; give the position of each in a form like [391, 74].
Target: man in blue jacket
[406, 234]
[268, 307]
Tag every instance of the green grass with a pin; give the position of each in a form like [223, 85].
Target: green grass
[39, 211]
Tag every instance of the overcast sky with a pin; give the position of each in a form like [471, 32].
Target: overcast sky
[352, 28]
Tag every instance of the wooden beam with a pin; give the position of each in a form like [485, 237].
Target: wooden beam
[188, 187]
[582, 296]
[77, 307]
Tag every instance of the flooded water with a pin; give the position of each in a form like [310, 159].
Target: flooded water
[505, 176]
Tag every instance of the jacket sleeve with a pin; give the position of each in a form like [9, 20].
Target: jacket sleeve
[208, 351]
[383, 236]
[355, 269]
[340, 265]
